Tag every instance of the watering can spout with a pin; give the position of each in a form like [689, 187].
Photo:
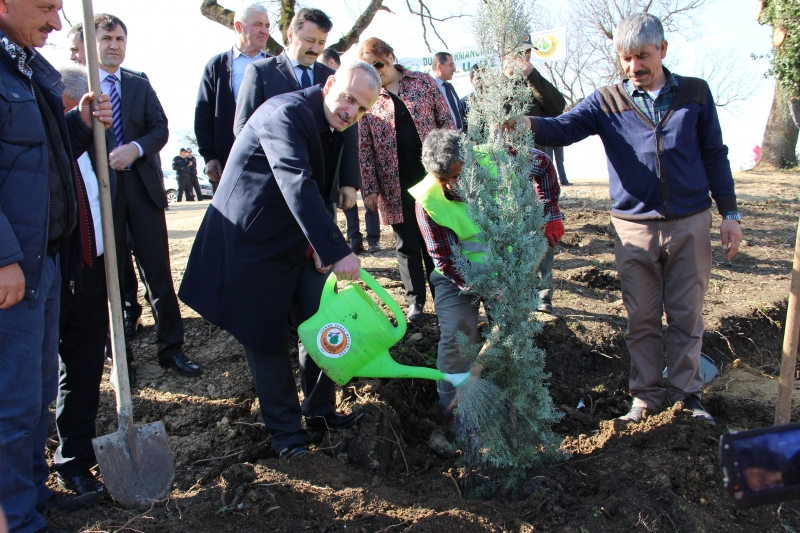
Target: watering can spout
[457, 380]
[383, 366]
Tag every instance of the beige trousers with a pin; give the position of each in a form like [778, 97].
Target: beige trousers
[664, 267]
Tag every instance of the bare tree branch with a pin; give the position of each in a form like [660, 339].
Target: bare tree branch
[351, 37]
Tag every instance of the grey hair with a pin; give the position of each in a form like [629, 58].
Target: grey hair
[242, 14]
[636, 32]
[75, 82]
[440, 152]
[373, 78]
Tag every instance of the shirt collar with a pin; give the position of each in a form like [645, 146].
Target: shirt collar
[294, 63]
[671, 83]
[23, 56]
[260, 55]
[104, 75]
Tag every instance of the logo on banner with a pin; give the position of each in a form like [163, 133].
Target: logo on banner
[333, 340]
[547, 46]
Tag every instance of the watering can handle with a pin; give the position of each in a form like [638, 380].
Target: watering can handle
[388, 300]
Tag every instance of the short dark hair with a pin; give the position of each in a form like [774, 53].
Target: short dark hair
[330, 54]
[109, 22]
[475, 71]
[77, 29]
[315, 16]
[441, 57]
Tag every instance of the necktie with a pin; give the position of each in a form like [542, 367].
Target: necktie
[305, 79]
[451, 97]
[85, 222]
[116, 108]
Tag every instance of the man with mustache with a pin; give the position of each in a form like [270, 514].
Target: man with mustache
[663, 142]
[38, 214]
[245, 271]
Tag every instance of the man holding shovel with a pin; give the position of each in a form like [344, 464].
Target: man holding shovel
[267, 220]
[38, 210]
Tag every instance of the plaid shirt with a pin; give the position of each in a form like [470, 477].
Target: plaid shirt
[653, 109]
[440, 240]
[22, 56]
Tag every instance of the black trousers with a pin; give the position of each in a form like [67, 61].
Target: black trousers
[185, 187]
[148, 227]
[413, 260]
[275, 385]
[83, 324]
[371, 220]
[196, 187]
[133, 308]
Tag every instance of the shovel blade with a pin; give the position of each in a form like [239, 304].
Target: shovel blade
[136, 466]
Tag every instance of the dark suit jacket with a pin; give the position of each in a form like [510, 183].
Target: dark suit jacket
[245, 260]
[144, 121]
[269, 77]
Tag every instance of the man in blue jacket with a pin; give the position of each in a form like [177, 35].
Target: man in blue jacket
[38, 212]
[665, 155]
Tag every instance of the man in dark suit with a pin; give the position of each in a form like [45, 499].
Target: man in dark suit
[244, 270]
[219, 88]
[138, 133]
[442, 71]
[179, 165]
[294, 69]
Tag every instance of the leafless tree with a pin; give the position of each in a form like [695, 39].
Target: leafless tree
[592, 61]
[285, 10]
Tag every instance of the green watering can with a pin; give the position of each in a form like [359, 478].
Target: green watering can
[350, 336]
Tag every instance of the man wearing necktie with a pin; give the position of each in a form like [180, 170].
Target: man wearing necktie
[83, 322]
[442, 71]
[139, 131]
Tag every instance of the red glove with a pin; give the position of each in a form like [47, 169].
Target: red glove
[554, 230]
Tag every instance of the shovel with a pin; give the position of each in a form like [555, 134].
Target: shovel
[135, 461]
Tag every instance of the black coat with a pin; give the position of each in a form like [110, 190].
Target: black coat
[215, 109]
[269, 77]
[270, 204]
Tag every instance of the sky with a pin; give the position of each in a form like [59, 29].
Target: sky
[171, 41]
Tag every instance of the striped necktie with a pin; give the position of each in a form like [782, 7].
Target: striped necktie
[116, 108]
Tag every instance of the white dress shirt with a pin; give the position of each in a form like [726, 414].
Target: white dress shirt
[453, 112]
[238, 66]
[298, 72]
[105, 86]
[93, 195]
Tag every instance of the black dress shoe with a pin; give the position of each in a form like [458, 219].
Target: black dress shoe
[317, 424]
[180, 363]
[545, 307]
[415, 314]
[132, 326]
[62, 503]
[357, 247]
[292, 451]
[82, 484]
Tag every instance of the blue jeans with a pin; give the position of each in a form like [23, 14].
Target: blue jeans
[28, 385]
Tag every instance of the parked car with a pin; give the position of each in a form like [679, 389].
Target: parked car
[171, 185]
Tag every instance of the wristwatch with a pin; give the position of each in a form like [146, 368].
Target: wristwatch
[732, 215]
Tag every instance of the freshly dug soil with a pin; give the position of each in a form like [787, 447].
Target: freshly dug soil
[661, 475]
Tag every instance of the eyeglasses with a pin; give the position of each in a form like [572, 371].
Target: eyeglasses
[378, 64]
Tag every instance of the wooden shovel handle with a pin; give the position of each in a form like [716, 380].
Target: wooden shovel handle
[783, 409]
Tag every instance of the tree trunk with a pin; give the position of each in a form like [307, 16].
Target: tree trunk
[780, 137]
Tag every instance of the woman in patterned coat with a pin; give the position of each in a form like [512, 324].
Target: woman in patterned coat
[409, 107]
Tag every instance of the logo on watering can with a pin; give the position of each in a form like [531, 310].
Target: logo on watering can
[333, 340]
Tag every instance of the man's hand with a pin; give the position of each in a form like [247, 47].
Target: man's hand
[512, 123]
[322, 269]
[347, 268]
[123, 156]
[102, 109]
[371, 201]
[214, 169]
[347, 197]
[12, 285]
[554, 230]
[190, 163]
[731, 233]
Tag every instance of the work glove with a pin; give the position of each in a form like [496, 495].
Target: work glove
[554, 230]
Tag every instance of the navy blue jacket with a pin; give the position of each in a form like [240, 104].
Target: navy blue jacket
[24, 193]
[655, 171]
[270, 204]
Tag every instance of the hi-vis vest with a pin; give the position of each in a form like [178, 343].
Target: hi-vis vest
[450, 214]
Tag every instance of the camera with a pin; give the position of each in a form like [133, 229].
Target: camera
[762, 466]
